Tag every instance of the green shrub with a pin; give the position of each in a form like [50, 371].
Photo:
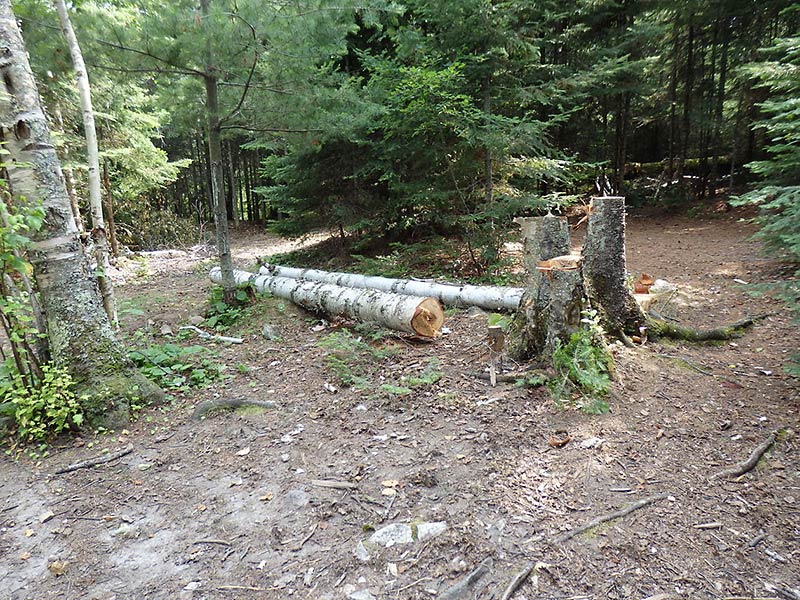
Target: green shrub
[176, 367]
[48, 408]
[583, 365]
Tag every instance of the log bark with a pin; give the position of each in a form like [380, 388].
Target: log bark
[484, 296]
[550, 310]
[79, 331]
[401, 312]
[605, 267]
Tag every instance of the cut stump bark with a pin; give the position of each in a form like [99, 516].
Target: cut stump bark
[605, 267]
[411, 314]
[550, 310]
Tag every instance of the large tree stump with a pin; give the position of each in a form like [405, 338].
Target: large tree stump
[604, 267]
[550, 310]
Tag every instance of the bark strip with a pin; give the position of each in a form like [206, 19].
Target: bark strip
[411, 314]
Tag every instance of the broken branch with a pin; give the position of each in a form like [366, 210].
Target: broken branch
[209, 336]
[749, 464]
[93, 462]
[617, 514]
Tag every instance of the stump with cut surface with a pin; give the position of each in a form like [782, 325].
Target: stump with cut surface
[550, 310]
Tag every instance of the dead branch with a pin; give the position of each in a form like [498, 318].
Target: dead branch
[229, 403]
[749, 464]
[784, 591]
[334, 485]
[212, 541]
[658, 328]
[461, 588]
[520, 578]
[297, 547]
[93, 462]
[617, 514]
[209, 336]
[247, 588]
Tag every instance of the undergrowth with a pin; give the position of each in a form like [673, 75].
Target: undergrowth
[583, 366]
[351, 359]
[177, 367]
[49, 408]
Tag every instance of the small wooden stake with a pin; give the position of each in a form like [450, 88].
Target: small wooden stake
[496, 343]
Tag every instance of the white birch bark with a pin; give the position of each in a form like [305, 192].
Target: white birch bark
[79, 332]
[485, 296]
[401, 312]
[99, 234]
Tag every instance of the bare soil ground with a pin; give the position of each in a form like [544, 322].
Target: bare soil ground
[231, 506]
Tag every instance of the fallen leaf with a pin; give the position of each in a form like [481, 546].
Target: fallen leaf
[45, 517]
[389, 492]
[265, 498]
[243, 452]
[58, 567]
[25, 556]
[29, 532]
[390, 483]
[559, 442]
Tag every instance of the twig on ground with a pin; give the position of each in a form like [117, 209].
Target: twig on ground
[93, 462]
[248, 588]
[757, 540]
[617, 514]
[334, 485]
[211, 336]
[297, 547]
[463, 587]
[410, 585]
[520, 578]
[212, 541]
[688, 363]
[749, 464]
[783, 591]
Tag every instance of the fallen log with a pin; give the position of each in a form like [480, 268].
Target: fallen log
[484, 296]
[401, 312]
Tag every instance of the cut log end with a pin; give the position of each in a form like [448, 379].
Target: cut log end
[428, 318]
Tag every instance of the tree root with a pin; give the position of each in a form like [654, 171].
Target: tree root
[658, 328]
[617, 514]
[749, 464]
[230, 404]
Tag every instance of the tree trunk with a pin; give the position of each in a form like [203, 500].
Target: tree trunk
[411, 314]
[550, 310]
[93, 159]
[605, 267]
[109, 210]
[488, 187]
[80, 334]
[718, 112]
[217, 181]
[485, 296]
[687, 97]
[673, 101]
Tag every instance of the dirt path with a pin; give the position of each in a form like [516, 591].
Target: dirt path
[232, 506]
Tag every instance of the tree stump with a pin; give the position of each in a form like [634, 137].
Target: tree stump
[604, 268]
[550, 310]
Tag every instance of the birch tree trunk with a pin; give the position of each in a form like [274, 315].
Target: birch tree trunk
[401, 312]
[485, 296]
[99, 234]
[79, 331]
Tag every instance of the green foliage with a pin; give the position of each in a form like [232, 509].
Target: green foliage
[351, 359]
[220, 315]
[583, 367]
[177, 367]
[429, 376]
[778, 194]
[46, 409]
